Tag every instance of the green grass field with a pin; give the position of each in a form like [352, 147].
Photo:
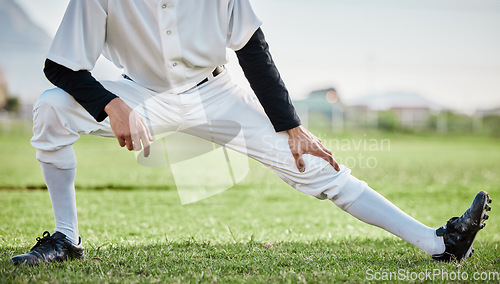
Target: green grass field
[135, 229]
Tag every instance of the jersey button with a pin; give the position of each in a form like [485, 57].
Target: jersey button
[169, 32]
[164, 6]
[174, 64]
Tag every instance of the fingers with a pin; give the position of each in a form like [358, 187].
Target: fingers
[130, 144]
[141, 139]
[134, 135]
[121, 141]
[299, 161]
[314, 148]
[137, 142]
[334, 163]
[297, 155]
[336, 166]
[328, 156]
[300, 164]
[147, 151]
[146, 139]
[124, 141]
[326, 150]
[325, 155]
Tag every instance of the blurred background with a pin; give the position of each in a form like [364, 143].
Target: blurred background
[406, 93]
[426, 65]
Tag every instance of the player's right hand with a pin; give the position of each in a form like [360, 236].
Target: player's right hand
[128, 127]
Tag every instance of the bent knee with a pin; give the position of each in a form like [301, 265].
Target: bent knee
[54, 99]
[50, 112]
[53, 121]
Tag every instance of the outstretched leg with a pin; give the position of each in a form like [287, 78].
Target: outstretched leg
[372, 208]
[223, 101]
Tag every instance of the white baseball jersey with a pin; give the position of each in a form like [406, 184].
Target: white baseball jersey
[163, 45]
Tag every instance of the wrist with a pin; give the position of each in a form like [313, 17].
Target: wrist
[295, 130]
[114, 105]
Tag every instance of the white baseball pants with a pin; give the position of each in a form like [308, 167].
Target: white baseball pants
[216, 111]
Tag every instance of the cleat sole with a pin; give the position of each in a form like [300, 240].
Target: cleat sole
[486, 206]
[484, 215]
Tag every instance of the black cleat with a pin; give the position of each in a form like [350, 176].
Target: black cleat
[459, 233]
[51, 248]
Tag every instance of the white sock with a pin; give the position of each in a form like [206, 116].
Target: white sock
[60, 183]
[372, 208]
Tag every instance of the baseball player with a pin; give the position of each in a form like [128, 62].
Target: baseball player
[173, 54]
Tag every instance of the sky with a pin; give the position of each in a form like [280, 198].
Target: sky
[446, 50]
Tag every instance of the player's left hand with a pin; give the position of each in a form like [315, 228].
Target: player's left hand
[302, 141]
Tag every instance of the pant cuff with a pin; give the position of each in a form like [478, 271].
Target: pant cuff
[63, 158]
[349, 193]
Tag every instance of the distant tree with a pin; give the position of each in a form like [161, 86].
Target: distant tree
[13, 105]
[3, 90]
[491, 124]
[458, 122]
[432, 122]
[388, 120]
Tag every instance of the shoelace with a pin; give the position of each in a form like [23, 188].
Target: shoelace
[46, 239]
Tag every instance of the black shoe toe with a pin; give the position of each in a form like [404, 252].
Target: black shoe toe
[50, 248]
[459, 233]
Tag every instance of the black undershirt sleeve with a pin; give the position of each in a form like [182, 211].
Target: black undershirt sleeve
[265, 80]
[86, 90]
